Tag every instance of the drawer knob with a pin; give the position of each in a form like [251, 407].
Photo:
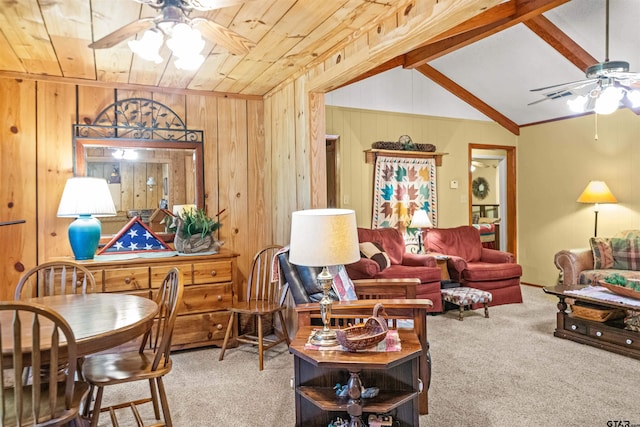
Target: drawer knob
[214, 273]
[219, 297]
[629, 341]
[598, 334]
[574, 327]
[219, 326]
[127, 280]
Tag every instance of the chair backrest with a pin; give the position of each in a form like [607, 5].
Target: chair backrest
[159, 336]
[463, 241]
[390, 239]
[36, 337]
[55, 278]
[261, 286]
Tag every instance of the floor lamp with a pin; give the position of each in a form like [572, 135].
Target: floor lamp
[597, 192]
[319, 238]
[420, 220]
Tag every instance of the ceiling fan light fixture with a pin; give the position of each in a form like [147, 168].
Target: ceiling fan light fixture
[189, 63]
[578, 104]
[148, 46]
[185, 40]
[609, 100]
[633, 96]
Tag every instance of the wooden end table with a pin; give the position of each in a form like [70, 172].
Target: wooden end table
[316, 372]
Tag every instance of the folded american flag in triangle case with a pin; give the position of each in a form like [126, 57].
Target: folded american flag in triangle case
[135, 237]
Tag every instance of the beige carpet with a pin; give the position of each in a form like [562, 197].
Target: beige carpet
[508, 370]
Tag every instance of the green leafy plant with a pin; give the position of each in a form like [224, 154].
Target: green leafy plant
[196, 221]
[616, 279]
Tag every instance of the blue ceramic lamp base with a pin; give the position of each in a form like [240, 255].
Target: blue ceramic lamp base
[84, 236]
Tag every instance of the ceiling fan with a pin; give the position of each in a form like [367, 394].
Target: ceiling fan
[174, 12]
[606, 85]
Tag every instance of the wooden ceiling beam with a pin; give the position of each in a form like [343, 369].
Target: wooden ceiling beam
[468, 97]
[558, 40]
[392, 63]
[493, 23]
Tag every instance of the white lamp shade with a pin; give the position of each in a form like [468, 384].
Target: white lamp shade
[86, 196]
[179, 210]
[420, 220]
[324, 237]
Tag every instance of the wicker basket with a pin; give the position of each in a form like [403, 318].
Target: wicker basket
[365, 335]
[596, 313]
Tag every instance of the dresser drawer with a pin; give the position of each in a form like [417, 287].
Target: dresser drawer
[212, 272]
[202, 298]
[615, 336]
[199, 328]
[158, 273]
[126, 279]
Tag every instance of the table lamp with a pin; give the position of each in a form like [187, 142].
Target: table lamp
[597, 192]
[320, 238]
[420, 220]
[85, 198]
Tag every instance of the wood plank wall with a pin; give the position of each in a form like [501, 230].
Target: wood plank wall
[36, 154]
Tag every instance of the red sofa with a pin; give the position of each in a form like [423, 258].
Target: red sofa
[474, 266]
[403, 264]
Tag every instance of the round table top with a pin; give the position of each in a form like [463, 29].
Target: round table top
[99, 321]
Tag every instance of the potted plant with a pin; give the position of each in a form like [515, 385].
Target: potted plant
[194, 232]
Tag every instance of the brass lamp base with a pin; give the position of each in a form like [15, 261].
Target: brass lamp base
[324, 338]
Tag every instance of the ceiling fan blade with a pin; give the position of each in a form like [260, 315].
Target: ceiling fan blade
[567, 84]
[123, 33]
[205, 5]
[232, 41]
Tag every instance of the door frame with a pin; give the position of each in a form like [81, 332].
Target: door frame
[511, 196]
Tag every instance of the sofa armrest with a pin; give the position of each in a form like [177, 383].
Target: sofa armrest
[386, 288]
[363, 269]
[456, 263]
[418, 260]
[571, 262]
[497, 257]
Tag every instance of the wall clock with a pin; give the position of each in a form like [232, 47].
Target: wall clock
[480, 187]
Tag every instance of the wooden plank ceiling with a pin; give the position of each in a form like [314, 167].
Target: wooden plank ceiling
[51, 38]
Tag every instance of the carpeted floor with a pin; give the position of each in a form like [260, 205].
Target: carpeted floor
[507, 370]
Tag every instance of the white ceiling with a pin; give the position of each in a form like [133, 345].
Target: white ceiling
[502, 68]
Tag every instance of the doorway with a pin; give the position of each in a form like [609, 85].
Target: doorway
[332, 170]
[499, 162]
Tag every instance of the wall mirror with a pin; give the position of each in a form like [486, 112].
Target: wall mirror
[149, 158]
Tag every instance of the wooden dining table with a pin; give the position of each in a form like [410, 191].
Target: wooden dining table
[99, 321]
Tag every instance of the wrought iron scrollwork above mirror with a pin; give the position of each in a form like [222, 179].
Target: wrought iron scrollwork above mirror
[147, 155]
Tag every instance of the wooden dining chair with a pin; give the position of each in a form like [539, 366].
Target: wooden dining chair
[38, 337]
[151, 362]
[55, 278]
[265, 300]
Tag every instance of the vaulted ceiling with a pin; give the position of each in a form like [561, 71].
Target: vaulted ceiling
[490, 62]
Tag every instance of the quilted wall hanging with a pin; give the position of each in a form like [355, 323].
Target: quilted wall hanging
[401, 187]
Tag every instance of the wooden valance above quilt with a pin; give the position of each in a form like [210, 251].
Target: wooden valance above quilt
[371, 154]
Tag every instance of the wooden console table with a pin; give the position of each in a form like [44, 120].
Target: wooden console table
[210, 288]
[609, 336]
[316, 372]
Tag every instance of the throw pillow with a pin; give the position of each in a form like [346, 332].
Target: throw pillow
[626, 253]
[342, 284]
[602, 254]
[374, 252]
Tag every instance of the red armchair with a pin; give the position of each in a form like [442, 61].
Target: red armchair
[403, 264]
[474, 266]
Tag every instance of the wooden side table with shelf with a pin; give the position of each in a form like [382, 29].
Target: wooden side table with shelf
[316, 372]
[210, 288]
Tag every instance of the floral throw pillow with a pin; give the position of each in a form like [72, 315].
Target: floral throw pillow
[626, 253]
[374, 252]
[602, 253]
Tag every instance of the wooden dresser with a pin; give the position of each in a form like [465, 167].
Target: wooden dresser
[210, 288]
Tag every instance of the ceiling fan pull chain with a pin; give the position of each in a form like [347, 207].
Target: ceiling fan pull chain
[596, 125]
